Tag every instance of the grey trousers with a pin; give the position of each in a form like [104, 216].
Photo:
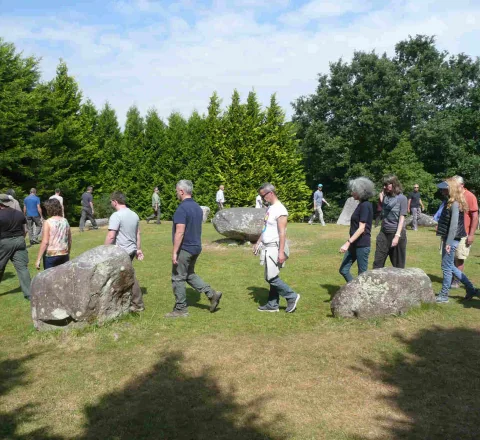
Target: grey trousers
[137, 297]
[87, 215]
[415, 216]
[14, 249]
[184, 272]
[34, 226]
[155, 214]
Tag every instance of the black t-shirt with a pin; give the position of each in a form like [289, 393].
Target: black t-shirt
[11, 223]
[189, 214]
[362, 214]
[415, 199]
[86, 200]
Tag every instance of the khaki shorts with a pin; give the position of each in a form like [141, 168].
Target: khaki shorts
[463, 250]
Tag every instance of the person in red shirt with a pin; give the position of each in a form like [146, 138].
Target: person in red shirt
[471, 223]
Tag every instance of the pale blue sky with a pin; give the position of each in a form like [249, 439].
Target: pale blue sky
[172, 55]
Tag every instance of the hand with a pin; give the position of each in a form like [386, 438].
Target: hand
[281, 257]
[470, 239]
[256, 248]
[345, 247]
[448, 248]
[174, 259]
[140, 255]
[37, 265]
[395, 240]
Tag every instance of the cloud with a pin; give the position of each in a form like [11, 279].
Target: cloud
[177, 56]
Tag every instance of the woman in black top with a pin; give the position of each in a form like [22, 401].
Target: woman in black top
[357, 247]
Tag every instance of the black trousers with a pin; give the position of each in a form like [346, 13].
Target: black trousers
[384, 249]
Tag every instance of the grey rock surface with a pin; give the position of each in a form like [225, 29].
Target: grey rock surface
[382, 292]
[347, 211]
[423, 220]
[92, 288]
[100, 222]
[240, 223]
[206, 212]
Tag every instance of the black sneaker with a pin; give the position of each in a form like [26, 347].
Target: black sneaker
[177, 314]
[214, 300]
[292, 304]
[267, 308]
[470, 295]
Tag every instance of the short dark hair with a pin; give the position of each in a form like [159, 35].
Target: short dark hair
[89, 187]
[57, 190]
[396, 185]
[53, 207]
[119, 197]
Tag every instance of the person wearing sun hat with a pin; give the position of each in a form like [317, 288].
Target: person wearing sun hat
[318, 200]
[12, 242]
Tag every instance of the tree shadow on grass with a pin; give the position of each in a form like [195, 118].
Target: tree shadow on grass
[436, 385]
[331, 290]
[259, 294]
[168, 403]
[13, 374]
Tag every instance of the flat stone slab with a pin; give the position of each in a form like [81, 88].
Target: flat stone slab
[100, 222]
[244, 224]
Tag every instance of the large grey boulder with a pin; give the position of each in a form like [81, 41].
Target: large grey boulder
[348, 208]
[240, 223]
[206, 212]
[423, 220]
[92, 288]
[100, 222]
[381, 292]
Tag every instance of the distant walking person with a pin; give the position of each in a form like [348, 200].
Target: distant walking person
[357, 247]
[59, 198]
[451, 227]
[87, 209]
[318, 200]
[392, 238]
[471, 223]
[273, 249]
[12, 242]
[155, 206]
[33, 212]
[415, 206]
[16, 205]
[57, 238]
[220, 197]
[124, 232]
[187, 246]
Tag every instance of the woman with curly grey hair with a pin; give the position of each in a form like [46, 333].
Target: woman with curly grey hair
[357, 247]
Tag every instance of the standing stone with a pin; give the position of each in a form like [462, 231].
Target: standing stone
[100, 222]
[382, 292]
[240, 223]
[92, 288]
[206, 212]
[350, 206]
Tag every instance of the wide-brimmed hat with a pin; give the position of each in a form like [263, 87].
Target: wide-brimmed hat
[7, 200]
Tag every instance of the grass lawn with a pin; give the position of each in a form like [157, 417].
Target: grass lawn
[240, 374]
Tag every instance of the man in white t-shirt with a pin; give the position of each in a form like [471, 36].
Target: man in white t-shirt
[59, 198]
[258, 202]
[274, 251]
[220, 198]
[124, 232]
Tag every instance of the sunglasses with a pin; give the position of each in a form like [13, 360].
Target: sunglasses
[263, 197]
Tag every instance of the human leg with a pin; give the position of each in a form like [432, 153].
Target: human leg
[19, 259]
[280, 288]
[447, 269]
[30, 229]
[179, 278]
[382, 249]
[348, 259]
[38, 228]
[82, 220]
[362, 259]
[320, 215]
[158, 213]
[91, 217]
[398, 254]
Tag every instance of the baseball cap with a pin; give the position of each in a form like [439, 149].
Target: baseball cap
[7, 200]
[442, 185]
[320, 184]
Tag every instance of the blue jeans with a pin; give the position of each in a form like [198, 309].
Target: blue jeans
[277, 288]
[49, 262]
[360, 255]
[449, 269]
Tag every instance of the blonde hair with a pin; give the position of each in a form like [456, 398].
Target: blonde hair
[455, 194]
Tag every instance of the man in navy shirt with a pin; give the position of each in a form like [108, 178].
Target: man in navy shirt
[187, 245]
[33, 213]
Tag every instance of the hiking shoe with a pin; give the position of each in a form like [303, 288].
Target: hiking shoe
[267, 308]
[134, 309]
[214, 300]
[470, 295]
[292, 304]
[455, 284]
[441, 299]
[177, 314]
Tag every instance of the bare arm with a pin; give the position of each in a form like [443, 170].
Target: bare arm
[69, 240]
[421, 204]
[473, 228]
[177, 241]
[39, 209]
[409, 203]
[282, 229]
[139, 246]
[354, 237]
[325, 200]
[398, 234]
[43, 244]
[24, 210]
[110, 238]
[91, 206]
[381, 195]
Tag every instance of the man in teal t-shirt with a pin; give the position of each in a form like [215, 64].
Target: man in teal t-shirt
[155, 206]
